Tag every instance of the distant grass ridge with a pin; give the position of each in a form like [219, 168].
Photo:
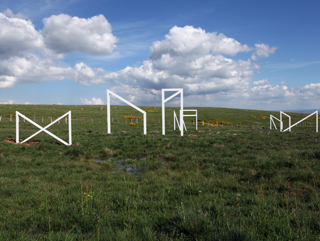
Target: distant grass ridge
[219, 183]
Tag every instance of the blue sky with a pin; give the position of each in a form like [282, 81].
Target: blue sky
[237, 54]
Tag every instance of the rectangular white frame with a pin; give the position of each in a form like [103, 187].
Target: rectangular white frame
[178, 91]
[18, 114]
[316, 113]
[127, 102]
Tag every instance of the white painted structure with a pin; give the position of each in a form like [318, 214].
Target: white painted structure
[290, 126]
[178, 91]
[18, 114]
[175, 119]
[127, 102]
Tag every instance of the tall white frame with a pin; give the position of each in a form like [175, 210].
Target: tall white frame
[127, 102]
[18, 114]
[178, 91]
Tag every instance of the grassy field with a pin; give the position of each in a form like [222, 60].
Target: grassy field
[217, 183]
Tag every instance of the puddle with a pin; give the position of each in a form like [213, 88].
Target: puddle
[127, 167]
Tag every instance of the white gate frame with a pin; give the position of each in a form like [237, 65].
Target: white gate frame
[127, 102]
[281, 127]
[316, 113]
[271, 121]
[179, 91]
[18, 114]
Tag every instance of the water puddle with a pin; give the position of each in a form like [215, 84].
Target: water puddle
[123, 166]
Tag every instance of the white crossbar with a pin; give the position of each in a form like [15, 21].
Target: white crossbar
[18, 114]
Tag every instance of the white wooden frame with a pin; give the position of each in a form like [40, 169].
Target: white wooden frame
[18, 114]
[290, 126]
[127, 102]
[271, 121]
[281, 127]
[175, 119]
[178, 91]
[316, 113]
[195, 115]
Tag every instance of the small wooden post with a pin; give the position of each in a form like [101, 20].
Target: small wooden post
[42, 119]
[10, 118]
[0, 117]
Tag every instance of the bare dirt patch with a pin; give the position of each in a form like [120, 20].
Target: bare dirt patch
[13, 141]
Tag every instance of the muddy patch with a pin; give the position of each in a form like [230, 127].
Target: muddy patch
[13, 141]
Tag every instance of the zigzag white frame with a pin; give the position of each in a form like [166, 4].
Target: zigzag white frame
[127, 102]
[271, 121]
[175, 119]
[18, 114]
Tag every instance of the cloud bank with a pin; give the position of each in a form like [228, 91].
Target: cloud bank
[28, 55]
[203, 63]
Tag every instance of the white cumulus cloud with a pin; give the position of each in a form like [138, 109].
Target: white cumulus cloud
[25, 58]
[188, 58]
[65, 34]
[93, 101]
[10, 14]
[262, 51]
[260, 82]
[17, 37]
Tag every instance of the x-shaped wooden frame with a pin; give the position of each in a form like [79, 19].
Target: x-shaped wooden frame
[18, 114]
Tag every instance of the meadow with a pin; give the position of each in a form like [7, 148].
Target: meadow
[237, 181]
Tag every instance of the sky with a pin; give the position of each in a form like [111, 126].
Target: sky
[262, 55]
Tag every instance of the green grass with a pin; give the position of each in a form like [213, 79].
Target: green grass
[227, 183]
